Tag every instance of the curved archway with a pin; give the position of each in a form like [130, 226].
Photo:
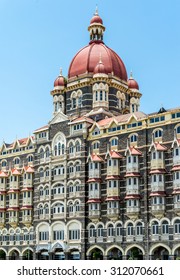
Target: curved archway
[176, 252]
[2, 255]
[14, 254]
[114, 253]
[160, 252]
[27, 254]
[95, 253]
[134, 252]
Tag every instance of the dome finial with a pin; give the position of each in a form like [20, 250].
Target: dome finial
[131, 75]
[60, 74]
[96, 11]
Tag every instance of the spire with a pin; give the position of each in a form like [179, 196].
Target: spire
[96, 27]
[96, 11]
[60, 73]
[131, 75]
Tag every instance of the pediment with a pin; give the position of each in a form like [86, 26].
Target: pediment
[59, 117]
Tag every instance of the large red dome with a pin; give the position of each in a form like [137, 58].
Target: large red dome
[87, 58]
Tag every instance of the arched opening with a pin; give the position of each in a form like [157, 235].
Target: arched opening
[27, 255]
[2, 255]
[74, 254]
[58, 254]
[114, 254]
[14, 255]
[134, 254]
[96, 254]
[160, 253]
[43, 255]
[177, 253]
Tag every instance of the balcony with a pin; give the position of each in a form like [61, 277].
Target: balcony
[28, 183]
[13, 221]
[130, 238]
[59, 177]
[118, 238]
[165, 237]
[94, 194]
[113, 213]
[2, 222]
[176, 184]
[155, 237]
[158, 210]
[113, 192]
[157, 164]
[91, 239]
[157, 186]
[27, 201]
[110, 239]
[58, 215]
[3, 203]
[132, 189]
[132, 167]
[14, 203]
[176, 160]
[14, 185]
[94, 214]
[3, 186]
[132, 212]
[139, 238]
[27, 220]
[94, 173]
[59, 196]
[113, 171]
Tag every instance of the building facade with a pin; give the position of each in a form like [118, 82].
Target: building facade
[102, 179]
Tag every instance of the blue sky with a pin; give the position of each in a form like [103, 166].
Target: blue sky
[40, 36]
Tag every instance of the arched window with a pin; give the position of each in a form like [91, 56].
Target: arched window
[77, 206]
[77, 146]
[100, 231]
[114, 142]
[59, 143]
[47, 153]
[110, 230]
[155, 228]
[41, 153]
[139, 228]
[71, 148]
[118, 229]
[130, 229]
[165, 227]
[178, 129]
[92, 231]
[16, 161]
[177, 226]
[133, 138]
[158, 133]
[3, 163]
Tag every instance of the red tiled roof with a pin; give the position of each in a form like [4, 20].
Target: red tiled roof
[15, 172]
[160, 193]
[3, 174]
[114, 154]
[96, 158]
[177, 191]
[160, 147]
[157, 171]
[94, 180]
[132, 196]
[26, 189]
[41, 128]
[134, 151]
[175, 168]
[132, 174]
[13, 191]
[112, 198]
[26, 207]
[113, 177]
[29, 169]
[94, 200]
[82, 119]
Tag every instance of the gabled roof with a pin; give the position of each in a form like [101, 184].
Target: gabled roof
[15, 171]
[29, 169]
[114, 154]
[3, 174]
[158, 147]
[133, 151]
[45, 127]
